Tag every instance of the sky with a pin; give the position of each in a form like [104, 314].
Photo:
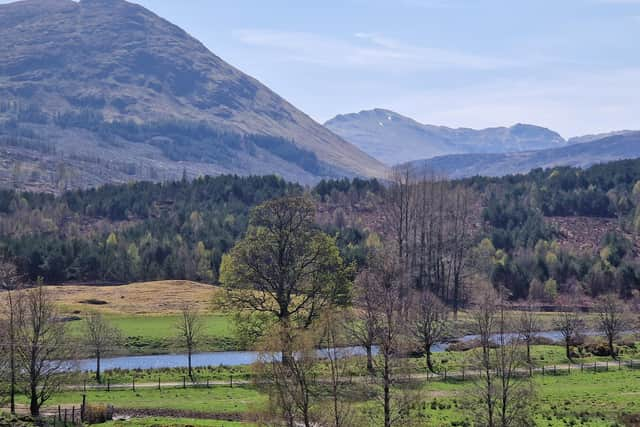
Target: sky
[570, 65]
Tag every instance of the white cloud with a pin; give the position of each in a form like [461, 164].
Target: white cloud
[365, 50]
[573, 103]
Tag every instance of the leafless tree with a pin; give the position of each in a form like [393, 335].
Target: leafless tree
[613, 319]
[429, 322]
[362, 320]
[332, 331]
[503, 393]
[528, 326]
[384, 279]
[44, 350]
[570, 324]
[190, 327]
[291, 384]
[10, 282]
[101, 337]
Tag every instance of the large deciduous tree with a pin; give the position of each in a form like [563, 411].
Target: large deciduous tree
[285, 266]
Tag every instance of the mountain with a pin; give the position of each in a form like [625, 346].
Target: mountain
[589, 138]
[109, 91]
[393, 138]
[616, 147]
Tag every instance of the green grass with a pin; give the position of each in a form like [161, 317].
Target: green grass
[174, 422]
[219, 399]
[169, 375]
[158, 334]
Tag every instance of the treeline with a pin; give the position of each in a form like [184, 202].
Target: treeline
[522, 245]
[141, 231]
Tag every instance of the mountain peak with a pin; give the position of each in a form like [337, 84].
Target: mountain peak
[393, 138]
[99, 62]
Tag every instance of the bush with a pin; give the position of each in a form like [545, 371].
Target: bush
[98, 414]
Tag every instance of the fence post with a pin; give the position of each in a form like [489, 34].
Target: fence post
[133, 383]
[84, 385]
[159, 386]
[606, 366]
[619, 363]
[65, 416]
[463, 373]
[59, 413]
[231, 380]
[73, 415]
[581, 366]
[184, 381]
[569, 369]
[84, 405]
[445, 374]
[543, 370]
[207, 382]
[109, 385]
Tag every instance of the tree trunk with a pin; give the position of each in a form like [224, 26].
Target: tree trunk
[529, 351]
[34, 407]
[429, 361]
[568, 350]
[370, 368]
[189, 363]
[98, 376]
[612, 350]
[387, 392]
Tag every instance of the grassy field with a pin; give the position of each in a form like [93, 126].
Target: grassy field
[579, 399]
[147, 313]
[216, 400]
[155, 298]
[175, 422]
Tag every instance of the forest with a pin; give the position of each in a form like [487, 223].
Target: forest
[180, 230]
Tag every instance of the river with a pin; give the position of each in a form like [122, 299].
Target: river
[237, 358]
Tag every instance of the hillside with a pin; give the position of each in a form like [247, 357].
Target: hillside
[617, 147]
[393, 138]
[83, 82]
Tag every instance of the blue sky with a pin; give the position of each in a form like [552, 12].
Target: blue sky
[571, 65]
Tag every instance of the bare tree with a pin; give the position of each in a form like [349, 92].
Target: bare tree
[528, 326]
[384, 278]
[101, 337]
[502, 395]
[613, 319]
[362, 322]
[44, 350]
[290, 384]
[190, 326]
[428, 322]
[10, 282]
[570, 325]
[332, 330]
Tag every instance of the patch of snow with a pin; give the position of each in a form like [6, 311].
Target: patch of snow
[381, 125]
[389, 118]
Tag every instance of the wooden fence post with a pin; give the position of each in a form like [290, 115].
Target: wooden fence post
[159, 386]
[82, 408]
[109, 385]
[133, 383]
[231, 380]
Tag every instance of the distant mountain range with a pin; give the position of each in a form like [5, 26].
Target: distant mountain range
[106, 91]
[393, 138]
[607, 149]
